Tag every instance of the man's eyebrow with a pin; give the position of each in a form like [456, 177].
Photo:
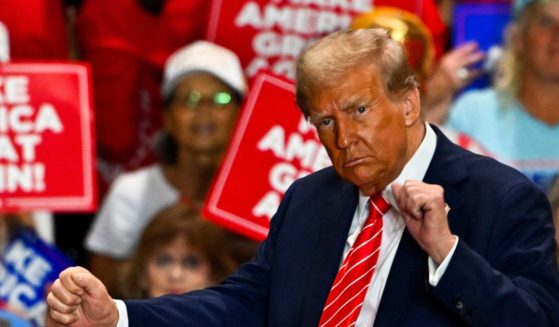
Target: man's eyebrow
[353, 101]
[313, 118]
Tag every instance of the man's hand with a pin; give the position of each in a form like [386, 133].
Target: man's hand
[77, 298]
[423, 208]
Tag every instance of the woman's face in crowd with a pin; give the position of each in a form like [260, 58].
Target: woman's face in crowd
[176, 268]
[539, 41]
[202, 113]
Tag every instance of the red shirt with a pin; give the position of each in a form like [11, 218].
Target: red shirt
[127, 48]
[36, 28]
[269, 35]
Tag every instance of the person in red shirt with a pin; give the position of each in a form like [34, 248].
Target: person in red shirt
[127, 43]
[36, 29]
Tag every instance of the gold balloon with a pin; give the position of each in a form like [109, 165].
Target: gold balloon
[405, 28]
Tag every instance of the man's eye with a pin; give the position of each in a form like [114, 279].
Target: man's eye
[361, 109]
[325, 122]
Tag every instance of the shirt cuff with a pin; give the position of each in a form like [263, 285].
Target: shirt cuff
[436, 273]
[122, 314]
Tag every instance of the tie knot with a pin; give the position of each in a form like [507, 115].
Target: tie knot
[378, 202]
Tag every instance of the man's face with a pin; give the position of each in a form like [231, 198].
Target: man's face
[365, 132]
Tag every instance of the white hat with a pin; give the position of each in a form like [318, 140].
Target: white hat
[203, 56]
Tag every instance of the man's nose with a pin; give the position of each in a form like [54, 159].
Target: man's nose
[345, 134]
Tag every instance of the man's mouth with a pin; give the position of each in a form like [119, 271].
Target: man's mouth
[353, 162]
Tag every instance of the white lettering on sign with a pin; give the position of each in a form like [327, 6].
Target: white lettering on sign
[25, 177]
[306, 152]
[284, 174]
[21, 294]
[300, 20]
[22, 126]
[31, 266]
[268, 205]
[7, 281]
[48, 120]
[353, 5]
[285, 28]
[273, 44]
[14, 89]
[23, 284]
[293, 148]
[22, 119]
[25, 144]
[273, 140]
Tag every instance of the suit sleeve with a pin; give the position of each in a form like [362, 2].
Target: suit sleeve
[516, 282]
[241, 300]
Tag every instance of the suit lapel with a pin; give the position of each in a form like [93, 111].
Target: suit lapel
[408, 275]
[334, 223]
[446, 171]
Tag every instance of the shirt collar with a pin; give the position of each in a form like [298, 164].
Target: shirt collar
[414, 169]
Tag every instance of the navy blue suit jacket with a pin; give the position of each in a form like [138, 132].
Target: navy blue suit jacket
[503, 272]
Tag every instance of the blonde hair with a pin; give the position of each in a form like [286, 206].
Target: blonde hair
[324, 63]
[509, 69]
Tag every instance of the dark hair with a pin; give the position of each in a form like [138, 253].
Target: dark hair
[166, 148]
[324, 63]
[154, 7]
[166, 226]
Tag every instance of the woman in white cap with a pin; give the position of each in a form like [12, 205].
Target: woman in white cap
[202, 89]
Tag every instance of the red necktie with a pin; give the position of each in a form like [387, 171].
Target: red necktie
[354, 277]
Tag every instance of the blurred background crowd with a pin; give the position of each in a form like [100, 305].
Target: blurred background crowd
[166, 101]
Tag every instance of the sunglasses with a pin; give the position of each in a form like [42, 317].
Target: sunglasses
[193, 99]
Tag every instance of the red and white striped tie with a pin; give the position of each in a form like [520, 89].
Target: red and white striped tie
[354, 277]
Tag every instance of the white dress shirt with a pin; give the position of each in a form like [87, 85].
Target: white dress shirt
[393, 227]
[392, 230]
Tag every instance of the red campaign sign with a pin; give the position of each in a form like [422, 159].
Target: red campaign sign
[270, 34]
[272, 146]
[46, 137]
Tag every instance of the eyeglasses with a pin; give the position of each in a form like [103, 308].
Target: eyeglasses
[195, 98]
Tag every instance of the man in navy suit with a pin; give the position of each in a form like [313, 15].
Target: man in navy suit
[489, 261]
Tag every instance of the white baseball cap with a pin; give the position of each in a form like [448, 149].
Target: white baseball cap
[203, 56]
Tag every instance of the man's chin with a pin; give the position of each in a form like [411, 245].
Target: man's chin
[367, 185]
[367, 189]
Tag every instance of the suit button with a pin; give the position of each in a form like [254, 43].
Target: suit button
[460, 307]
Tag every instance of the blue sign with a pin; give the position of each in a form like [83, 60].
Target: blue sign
[484, 23]
[27, 269]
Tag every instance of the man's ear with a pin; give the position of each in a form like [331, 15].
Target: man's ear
[412, 107]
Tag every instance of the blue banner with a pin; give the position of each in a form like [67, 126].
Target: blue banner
[27, 269]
